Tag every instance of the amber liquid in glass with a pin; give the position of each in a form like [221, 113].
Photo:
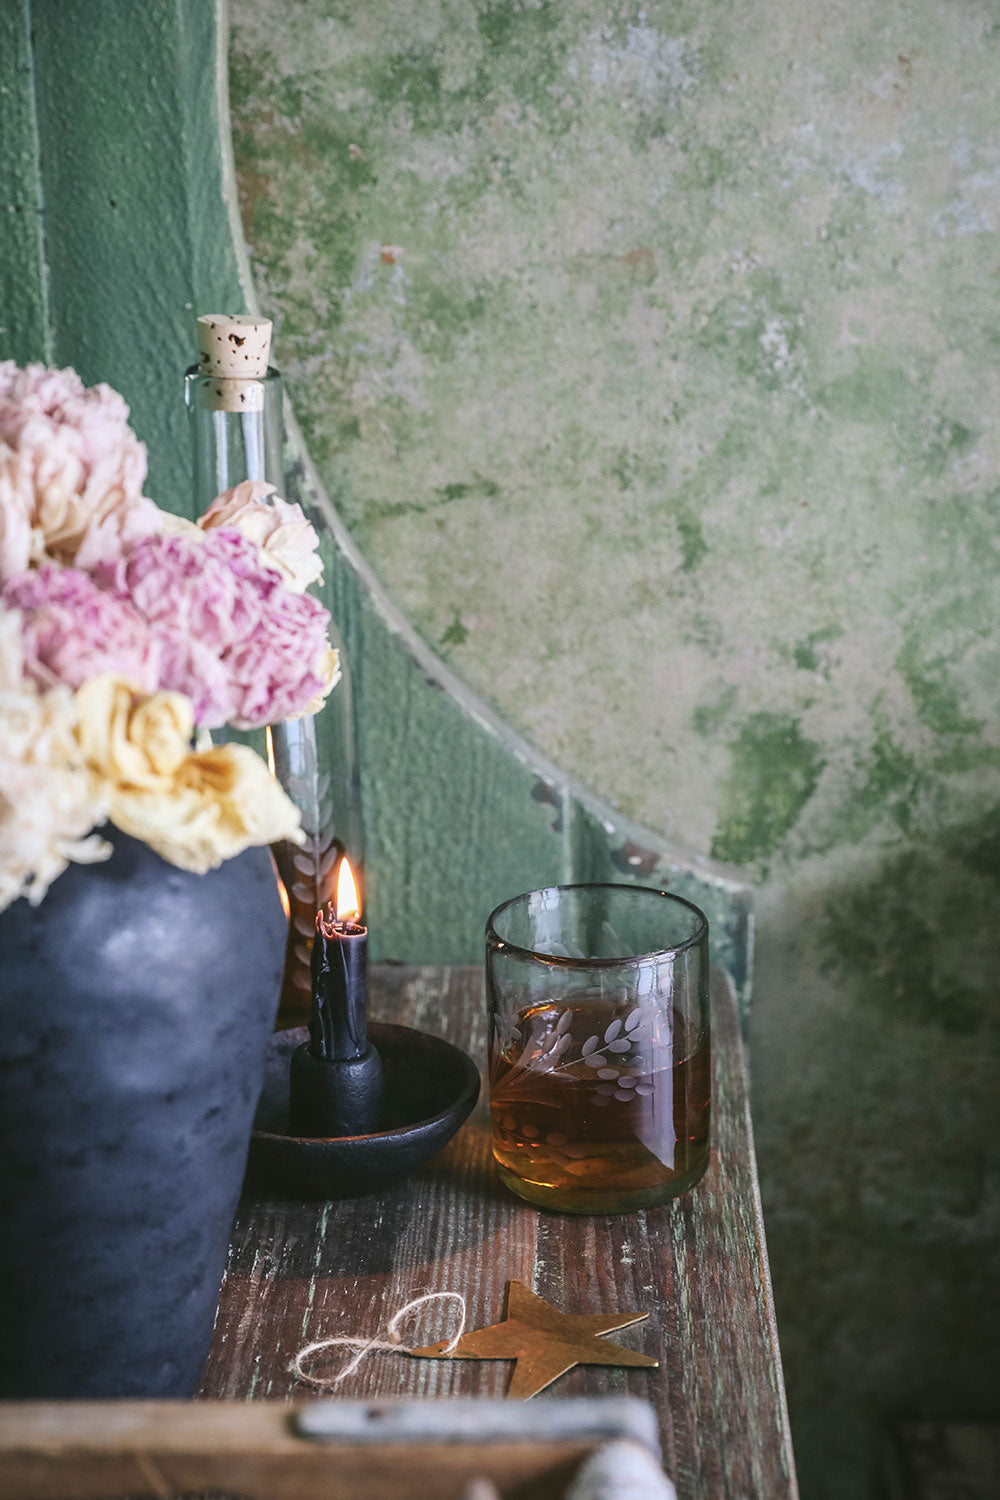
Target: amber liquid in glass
[600, 1106]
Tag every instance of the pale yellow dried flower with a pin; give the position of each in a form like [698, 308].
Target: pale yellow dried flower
[195, 808]
[50, 799]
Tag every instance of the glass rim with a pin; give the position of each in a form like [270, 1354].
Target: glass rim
[558, 959]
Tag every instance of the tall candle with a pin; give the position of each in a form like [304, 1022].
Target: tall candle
[338, 1026]
[335, 1083]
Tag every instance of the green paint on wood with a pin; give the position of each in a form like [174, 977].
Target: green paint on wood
[134, 234]
[23, 320]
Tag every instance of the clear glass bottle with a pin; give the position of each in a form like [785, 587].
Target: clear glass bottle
[237, 433]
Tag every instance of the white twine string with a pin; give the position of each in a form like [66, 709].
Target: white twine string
[365, 1346]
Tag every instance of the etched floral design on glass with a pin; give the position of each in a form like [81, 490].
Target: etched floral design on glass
[599, 1066]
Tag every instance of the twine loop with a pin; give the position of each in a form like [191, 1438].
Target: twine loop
[363, 1347]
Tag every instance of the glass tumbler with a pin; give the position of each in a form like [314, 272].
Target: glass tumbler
[600, 1077]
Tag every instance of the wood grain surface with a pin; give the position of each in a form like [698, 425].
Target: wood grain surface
[300, 1272]
[82, 1450]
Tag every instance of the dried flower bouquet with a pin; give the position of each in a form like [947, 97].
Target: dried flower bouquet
[126, 634]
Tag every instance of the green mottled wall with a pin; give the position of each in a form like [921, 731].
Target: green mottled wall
[651, 355]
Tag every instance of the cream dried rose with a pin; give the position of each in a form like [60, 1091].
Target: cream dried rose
[123, 748]
[195, 808]
[50, 800]
[48, 811]
[71, 469]
[17, 542]
[163, 725]
[11, 652]
[287, 541]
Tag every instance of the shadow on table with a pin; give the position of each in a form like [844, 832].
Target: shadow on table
[403, 1224]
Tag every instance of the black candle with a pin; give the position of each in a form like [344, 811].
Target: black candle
[336, 1077]
[338, 1025]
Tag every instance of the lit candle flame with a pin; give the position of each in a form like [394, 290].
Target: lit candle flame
[348, 905]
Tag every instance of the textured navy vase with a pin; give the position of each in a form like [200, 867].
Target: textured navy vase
[137, 1005]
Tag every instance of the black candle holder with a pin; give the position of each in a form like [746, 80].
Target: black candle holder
[429, 1087]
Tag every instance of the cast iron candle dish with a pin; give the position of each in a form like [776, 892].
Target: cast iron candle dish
[336, 1117]
[336, 1077]
[430, 1088]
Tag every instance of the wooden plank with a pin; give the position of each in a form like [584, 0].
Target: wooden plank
[137, 239]
[24, 334]
[301, 1272]
[84, 1450]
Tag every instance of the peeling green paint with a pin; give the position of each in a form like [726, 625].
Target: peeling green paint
[709, 718]
[935, 691]
[875, 390]
[774, 773]
[456, 633]
[810, 654]
[693, 544]
[898, 942]
[978, 847]
[891, 783]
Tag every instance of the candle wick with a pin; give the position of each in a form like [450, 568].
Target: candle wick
[326, 921]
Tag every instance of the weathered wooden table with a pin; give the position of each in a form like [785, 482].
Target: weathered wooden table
[300, 1272]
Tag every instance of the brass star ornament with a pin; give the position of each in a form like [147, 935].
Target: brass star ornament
[543, 1341]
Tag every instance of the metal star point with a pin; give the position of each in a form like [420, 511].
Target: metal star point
[543, 1342]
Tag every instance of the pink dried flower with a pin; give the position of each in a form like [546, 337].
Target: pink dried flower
[72, 630]
[69, 462]
[278, 669]
[287, 541]
[242, 646]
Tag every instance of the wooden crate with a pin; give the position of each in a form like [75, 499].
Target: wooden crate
[273, 1450]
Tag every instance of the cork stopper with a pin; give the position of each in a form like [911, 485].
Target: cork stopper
[234, 347]
[232, 395]
[233, 351]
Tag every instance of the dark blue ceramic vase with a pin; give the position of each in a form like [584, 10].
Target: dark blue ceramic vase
[137, 1005]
